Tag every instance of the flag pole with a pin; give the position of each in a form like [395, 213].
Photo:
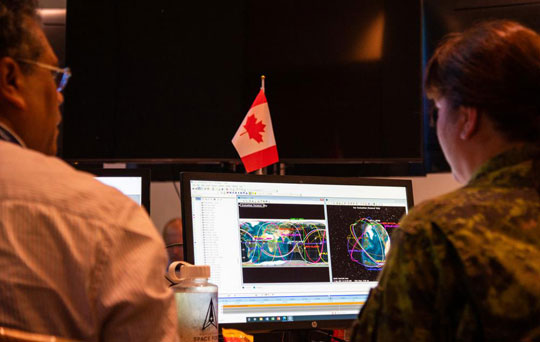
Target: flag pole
[261, 171]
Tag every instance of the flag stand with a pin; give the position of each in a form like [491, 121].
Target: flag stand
[261, 171]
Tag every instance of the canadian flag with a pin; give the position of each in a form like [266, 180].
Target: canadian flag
[254, 140]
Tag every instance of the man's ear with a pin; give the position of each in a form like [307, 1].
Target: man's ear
[470, 122]
[11, 81]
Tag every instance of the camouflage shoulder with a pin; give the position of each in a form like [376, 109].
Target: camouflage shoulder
[433, 210]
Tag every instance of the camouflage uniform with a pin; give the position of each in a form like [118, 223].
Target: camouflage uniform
[465, 266]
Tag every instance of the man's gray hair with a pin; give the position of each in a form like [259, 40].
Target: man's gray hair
[16, 38]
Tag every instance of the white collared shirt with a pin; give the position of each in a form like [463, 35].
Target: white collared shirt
[78, 259]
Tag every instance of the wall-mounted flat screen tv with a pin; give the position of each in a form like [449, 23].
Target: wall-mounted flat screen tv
[174, 79]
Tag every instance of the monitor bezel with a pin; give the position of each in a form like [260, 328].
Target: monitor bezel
[187, 177]
[144, 174]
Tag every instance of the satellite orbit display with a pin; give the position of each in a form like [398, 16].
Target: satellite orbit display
[283, 242]
[353, 266]
[292, 243]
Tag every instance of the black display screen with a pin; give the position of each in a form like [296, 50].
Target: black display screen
[174, 79]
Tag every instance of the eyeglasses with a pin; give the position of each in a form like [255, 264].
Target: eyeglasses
[61, 76]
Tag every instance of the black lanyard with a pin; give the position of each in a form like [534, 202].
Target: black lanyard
[7, 136]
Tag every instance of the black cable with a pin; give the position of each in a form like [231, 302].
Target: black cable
[177, 190]
[308, 333]
[175, 245]
[332, 337]
[170, 281]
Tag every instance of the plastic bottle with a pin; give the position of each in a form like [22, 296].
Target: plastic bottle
[196, 302]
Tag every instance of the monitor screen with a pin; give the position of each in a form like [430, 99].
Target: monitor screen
[134, 183]
[355, 64]
[289, 251]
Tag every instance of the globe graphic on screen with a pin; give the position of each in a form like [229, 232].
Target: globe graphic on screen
[372, 241]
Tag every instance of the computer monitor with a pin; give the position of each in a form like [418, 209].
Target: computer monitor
[134, 183]
[289, 251]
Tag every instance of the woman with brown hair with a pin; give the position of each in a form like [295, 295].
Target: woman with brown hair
[466, 266]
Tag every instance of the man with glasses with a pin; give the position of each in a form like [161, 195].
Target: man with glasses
[79, 260]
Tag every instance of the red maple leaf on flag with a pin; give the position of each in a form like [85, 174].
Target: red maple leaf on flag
[254, 128]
